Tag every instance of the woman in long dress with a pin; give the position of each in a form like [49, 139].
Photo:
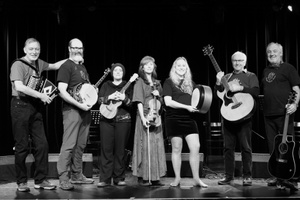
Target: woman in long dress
[146, 89]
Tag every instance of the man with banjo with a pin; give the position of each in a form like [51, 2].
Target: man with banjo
[240, 86]
[76, 117]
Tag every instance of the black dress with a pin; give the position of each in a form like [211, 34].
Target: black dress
[178, 121]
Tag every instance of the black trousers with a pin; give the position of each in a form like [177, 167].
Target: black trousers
[114, 137]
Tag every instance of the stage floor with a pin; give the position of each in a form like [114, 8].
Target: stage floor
[258, 190]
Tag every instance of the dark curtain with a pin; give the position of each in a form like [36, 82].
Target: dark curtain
[126, 33]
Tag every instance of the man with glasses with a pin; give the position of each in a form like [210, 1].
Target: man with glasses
[76, 119]
[242, 85]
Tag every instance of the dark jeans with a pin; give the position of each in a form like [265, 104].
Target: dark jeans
[237, 133]
[274, 125]
[27, 120]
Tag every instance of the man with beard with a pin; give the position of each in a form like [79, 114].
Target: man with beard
[76, 119]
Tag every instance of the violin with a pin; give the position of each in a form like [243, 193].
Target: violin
[154, 106]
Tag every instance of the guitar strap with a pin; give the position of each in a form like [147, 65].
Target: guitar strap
[36, 69]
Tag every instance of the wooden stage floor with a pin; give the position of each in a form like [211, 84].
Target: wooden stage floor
[258, 190]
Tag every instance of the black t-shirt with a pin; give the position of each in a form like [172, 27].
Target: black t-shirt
[277, 84]
[72, 74]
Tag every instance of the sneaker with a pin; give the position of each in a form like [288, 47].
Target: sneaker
[225, 181]
[23, 187]
[102, 184]
[45, 185]
[81, 180]
[247, 182]
[66, 185]
[120, 183]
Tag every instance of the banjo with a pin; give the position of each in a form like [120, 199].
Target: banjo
[87, 93]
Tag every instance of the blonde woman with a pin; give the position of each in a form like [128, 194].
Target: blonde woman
[177, 93]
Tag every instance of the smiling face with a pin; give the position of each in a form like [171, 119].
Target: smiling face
[32, 50]
[180, 67]
[238, 61]
[274, 54]
[148, 67]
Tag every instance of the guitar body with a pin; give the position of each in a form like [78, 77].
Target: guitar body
[297, 156]
[244, 108]
[109, 111]
[86, 93]
[282, 163]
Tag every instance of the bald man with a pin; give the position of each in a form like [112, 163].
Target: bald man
[76, 119]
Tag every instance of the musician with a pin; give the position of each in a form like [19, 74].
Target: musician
[238, 132]
[279, 79]
[146, 89]
[76, 118]
[114, 130]
[179, 123]
[26, 116]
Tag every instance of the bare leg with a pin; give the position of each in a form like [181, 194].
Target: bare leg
[194, 147]
[176, 159]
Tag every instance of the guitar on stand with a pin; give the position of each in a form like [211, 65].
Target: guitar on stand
[109, 111]
[282, 163]
[154, 106]
[236, 106]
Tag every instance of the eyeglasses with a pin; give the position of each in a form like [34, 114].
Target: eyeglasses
[77, 48]
[238, 60]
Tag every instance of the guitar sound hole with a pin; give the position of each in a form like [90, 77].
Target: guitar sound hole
[237, 105]
[283, 148]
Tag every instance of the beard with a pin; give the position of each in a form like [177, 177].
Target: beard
[77, 57]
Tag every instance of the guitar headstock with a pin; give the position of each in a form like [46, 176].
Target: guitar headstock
[133, 77]
[292, 97]
[107, 71]
[208, 50]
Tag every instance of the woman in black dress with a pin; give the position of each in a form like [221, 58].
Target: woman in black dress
[177, 92]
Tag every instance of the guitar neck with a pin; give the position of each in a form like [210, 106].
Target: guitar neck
[218, 69]
[125, 87]
[100, 80]
[285, 128]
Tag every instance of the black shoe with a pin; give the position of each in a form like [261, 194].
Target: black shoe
[157, 183]
[272, 182]
[290, 184]
[225, 181]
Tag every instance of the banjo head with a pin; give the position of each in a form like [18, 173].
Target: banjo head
[88, 94]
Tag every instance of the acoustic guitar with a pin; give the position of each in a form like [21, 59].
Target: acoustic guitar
[110, 110]
[236, 106]
[282, 163]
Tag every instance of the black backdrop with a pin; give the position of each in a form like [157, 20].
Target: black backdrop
[126, 30]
